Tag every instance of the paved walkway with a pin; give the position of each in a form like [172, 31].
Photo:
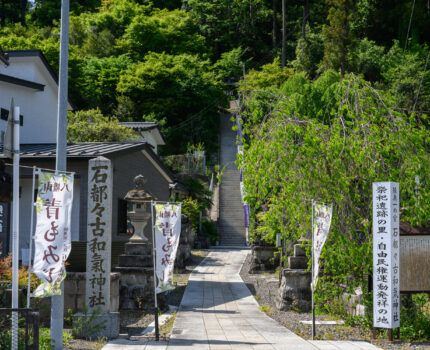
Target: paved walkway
[219, 312]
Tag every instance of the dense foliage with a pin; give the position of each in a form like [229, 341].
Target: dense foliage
[168, 60]
[328, 140]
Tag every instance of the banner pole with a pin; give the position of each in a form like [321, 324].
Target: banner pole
[157, 331]
[30, 250]
[313, 269]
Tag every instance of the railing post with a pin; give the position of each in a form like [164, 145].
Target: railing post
[35, 330]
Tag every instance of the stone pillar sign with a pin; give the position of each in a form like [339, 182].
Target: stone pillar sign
[99, 234]
[386, 257]
[99, 237]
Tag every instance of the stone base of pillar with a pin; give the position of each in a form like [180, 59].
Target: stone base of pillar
[93, 326]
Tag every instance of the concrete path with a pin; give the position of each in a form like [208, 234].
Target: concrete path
[219, 312]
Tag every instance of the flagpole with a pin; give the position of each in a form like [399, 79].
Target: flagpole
[313, 269]
[31, 239]
[15, 225]
[157, 332]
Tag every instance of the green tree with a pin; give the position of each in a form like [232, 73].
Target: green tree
[227, 24]
[309, 53]
[172, 32]
[337, 34]
[179, 90]
[93, 126]
[405, 77]
[98, 80]
[46, 12]
[13, 11]
[366, 58]
[270, 75]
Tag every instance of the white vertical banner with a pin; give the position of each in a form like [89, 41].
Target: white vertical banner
[321, 227]
[99, 234]
[167, 234]
[52, 237]
[386, 256]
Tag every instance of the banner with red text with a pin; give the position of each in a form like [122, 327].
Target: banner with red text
[52, 238]
[167, 235]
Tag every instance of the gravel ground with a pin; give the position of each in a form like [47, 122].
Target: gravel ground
[291, 319]
[134, 322]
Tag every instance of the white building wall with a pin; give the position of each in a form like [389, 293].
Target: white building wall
[39, 108]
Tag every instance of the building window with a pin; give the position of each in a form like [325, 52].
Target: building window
[4, 114]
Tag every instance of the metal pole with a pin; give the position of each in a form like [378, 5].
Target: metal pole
[189, 164]
[15, 227]
[57, 301]
[157, 332]
[313, 269]
[283, 33]
[31, 239]
[204, 164]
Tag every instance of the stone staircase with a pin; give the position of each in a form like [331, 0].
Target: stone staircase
[231, 225]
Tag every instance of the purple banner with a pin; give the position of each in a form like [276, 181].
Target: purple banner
[246, 209]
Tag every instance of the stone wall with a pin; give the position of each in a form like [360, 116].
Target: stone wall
[186, 243]
[264, 258]
[74, 291]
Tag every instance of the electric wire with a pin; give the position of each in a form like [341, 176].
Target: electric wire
[421, 82]
[46, 169]
[404, 48]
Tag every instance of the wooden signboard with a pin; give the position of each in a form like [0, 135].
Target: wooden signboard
[415, 264]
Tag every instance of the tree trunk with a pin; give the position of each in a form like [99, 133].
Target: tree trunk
[3, 14]
[283, 34]
[274, 23]
[23, 8]
[306, 16]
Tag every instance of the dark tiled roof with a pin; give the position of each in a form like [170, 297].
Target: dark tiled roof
[78, 150]
[140, 125]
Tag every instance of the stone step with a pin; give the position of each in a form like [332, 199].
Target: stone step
[233, 243]
[229, 219]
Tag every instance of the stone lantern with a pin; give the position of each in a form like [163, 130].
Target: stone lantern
[136, 265]
[139, 215]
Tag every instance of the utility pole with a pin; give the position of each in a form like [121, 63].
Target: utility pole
[283, 33]
[15, 111]
[57, 301]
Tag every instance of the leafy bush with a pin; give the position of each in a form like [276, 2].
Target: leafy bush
[210, 230]
[6, 273]
[93, 126]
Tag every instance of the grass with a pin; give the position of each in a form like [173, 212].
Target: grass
[199, 253]
[166, 327]
[267, 309]
[99, 343]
